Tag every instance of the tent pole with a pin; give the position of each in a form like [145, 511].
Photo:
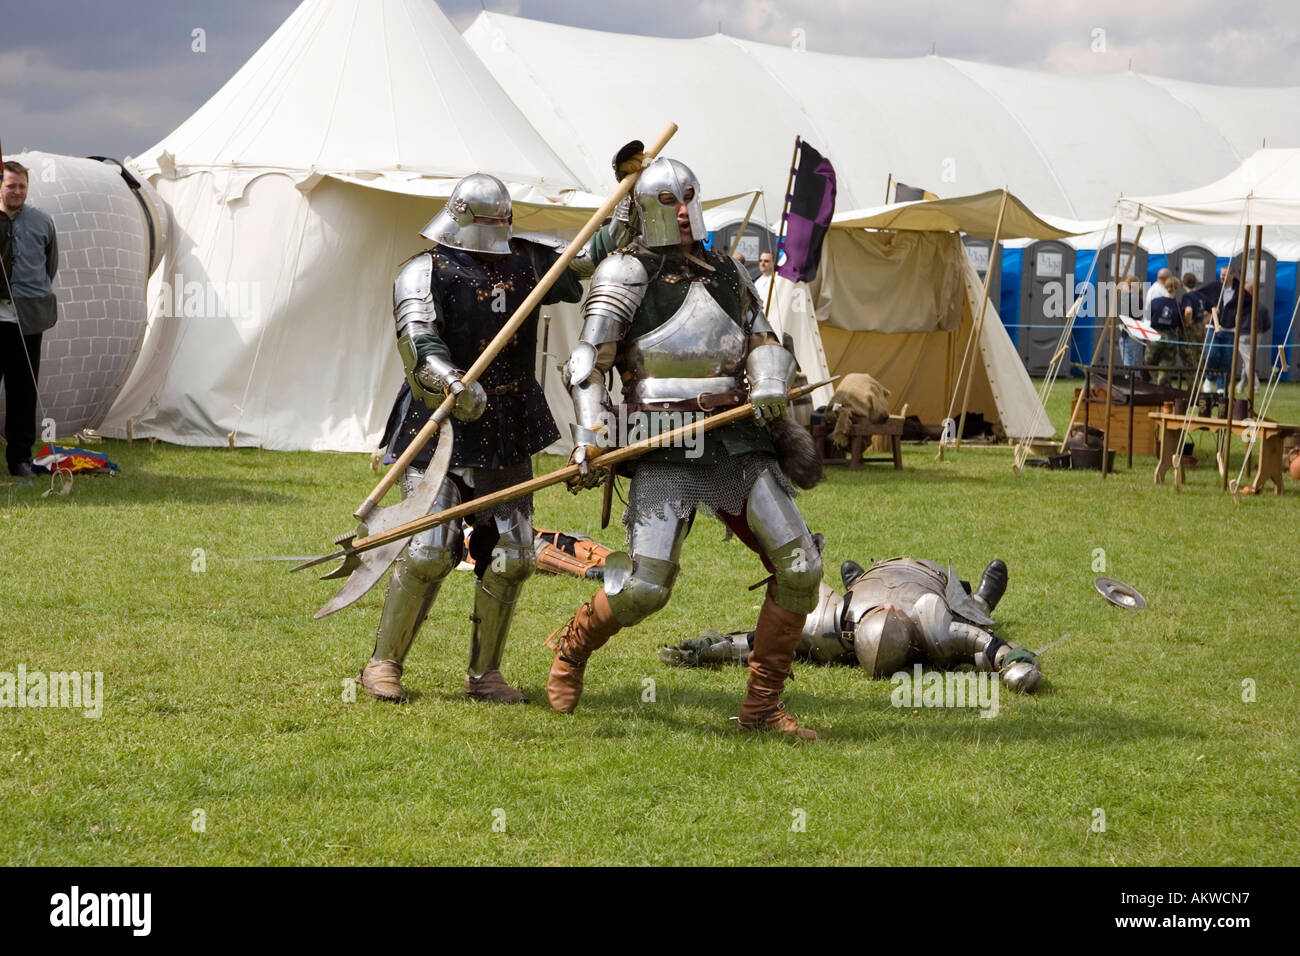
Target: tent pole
[889, 184]
[1254, 315]
[785, 209]
[1232, 366]
[979, 321]
[735, 243]
[1112, 321]
[1096, 355]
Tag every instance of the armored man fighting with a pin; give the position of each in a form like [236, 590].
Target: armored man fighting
[686, 331]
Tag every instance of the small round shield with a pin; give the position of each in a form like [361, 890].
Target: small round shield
[1120, 594]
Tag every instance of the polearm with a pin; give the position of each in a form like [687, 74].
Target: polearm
[508, 330]
[1226, 451]
[605, 460]
[785, 211]
[1101, 339]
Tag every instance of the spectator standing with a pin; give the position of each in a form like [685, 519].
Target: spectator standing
[1226, 300]
[27, 309]
[1165, 317]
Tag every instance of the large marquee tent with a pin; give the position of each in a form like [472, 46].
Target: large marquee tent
[295, 193]
[299, 187]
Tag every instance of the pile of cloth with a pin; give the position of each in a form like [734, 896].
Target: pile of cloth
[57, 460]
[861, 395]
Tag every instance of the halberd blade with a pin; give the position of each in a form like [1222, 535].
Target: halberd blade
[370, 567]
[420, 502]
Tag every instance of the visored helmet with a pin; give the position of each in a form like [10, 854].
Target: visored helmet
[662, 185]
[882, 641]
[477, 217]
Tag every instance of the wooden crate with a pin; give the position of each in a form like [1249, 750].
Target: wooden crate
[1145, 434]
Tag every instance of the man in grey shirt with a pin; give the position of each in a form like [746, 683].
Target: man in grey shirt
[29, 259]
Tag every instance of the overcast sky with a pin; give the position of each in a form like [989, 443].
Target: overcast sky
[112, 78]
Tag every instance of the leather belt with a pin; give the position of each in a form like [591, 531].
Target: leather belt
[505, 389]
[704, 402]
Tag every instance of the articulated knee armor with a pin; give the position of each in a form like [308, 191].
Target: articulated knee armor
[495, 593]
[417, 574]
[780, 530]
[640, 584]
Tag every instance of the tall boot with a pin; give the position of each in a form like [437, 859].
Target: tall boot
[775, 638]
[992, 585]
[588, 630]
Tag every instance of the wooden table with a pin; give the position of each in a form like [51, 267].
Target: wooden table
[859, 433]
[1268, 438]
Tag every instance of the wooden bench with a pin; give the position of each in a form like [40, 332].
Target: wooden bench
[860, 431]
[1268, 437]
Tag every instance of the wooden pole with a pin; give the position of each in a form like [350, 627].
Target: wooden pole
[1254, 313]
[735, 243]
[508, 331]
[606, 460]
[889, 185]
[979, 321]
[785, 208]
[1112, 320]
[1231, 390]
[1096, 351]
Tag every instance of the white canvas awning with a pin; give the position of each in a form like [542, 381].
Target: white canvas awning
[1263, 191]
[975, 215]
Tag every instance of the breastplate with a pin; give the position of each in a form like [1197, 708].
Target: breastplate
[895, 582]
[699, 349]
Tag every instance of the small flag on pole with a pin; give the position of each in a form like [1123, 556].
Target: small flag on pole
[812, 204]
[906, 193]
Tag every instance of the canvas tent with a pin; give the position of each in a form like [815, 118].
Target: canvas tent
[1066, 144]
[898, 297]
[296, 191]
[1264, 191]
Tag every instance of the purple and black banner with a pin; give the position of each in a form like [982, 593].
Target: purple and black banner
[812, 204]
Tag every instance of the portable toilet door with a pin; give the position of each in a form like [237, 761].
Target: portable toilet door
[1133, 263]
[980, 252]
[1046, 294]
[1267, 282]
[1197, 260]
[755, 240]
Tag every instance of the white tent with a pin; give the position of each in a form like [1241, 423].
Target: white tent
[296, 191]
[1067, 145]
[899, 298]
[1263, 191]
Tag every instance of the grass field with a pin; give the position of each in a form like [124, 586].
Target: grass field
[226, 737]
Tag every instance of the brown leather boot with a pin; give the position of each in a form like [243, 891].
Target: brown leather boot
[383, 679]
[588, 629]
[775, 638]
[492, 686]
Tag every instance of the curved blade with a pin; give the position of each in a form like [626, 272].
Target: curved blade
[420, 503]
[365, 569]
[370, 567]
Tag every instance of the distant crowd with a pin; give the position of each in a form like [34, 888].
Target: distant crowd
[1184, 312]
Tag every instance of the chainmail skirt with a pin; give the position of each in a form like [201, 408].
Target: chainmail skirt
[658, 487]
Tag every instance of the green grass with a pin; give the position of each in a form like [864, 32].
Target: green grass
[222, 694]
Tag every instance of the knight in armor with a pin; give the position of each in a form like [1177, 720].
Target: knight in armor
[685, 329]
[892, 615]
[449, 302]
